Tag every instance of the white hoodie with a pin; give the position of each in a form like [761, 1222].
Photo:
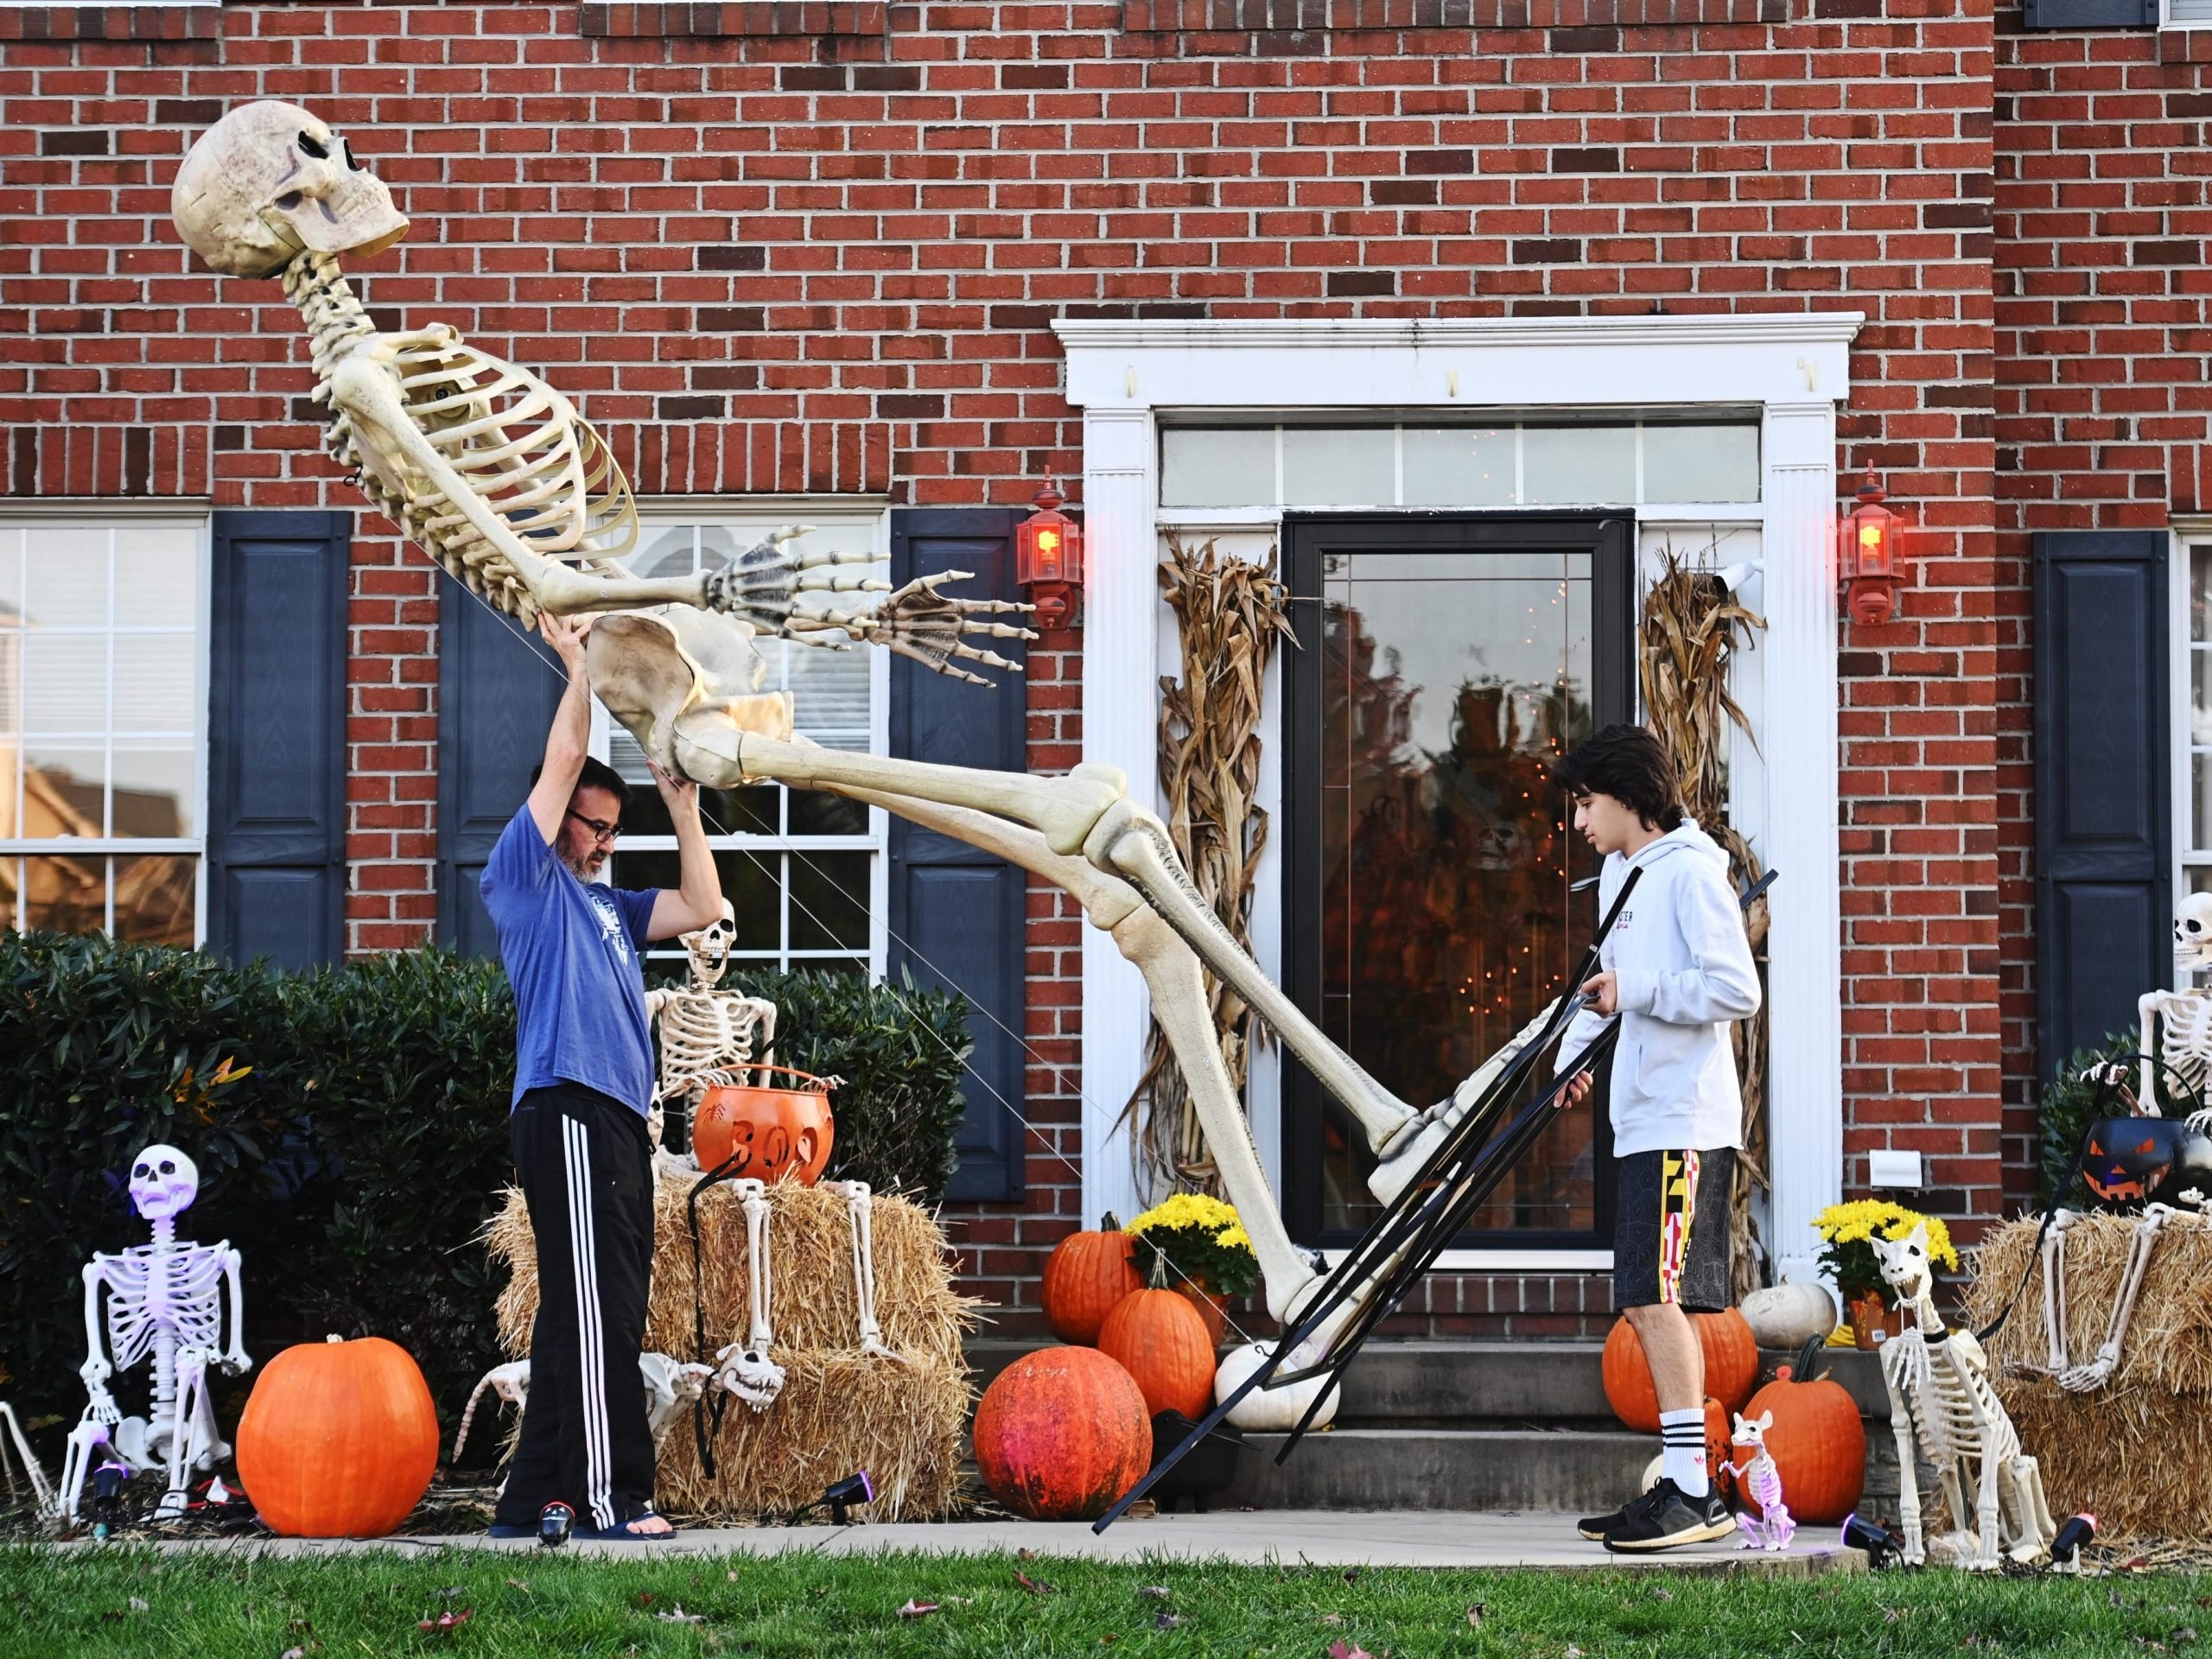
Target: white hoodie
[1684, 969]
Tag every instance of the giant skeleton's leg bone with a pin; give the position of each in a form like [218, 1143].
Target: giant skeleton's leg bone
[747, 1370]
[1087, 811]
[2054, 1291]
[859, 1206]
[510, 1381]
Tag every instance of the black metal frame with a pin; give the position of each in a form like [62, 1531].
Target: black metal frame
[1609, 540]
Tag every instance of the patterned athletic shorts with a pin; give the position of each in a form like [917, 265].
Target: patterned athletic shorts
[1670, 1229]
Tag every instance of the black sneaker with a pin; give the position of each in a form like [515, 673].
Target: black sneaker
[1663, 1519]
[1595, 1527]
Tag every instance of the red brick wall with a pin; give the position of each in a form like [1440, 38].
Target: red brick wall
[2102, 336]
[829, 262]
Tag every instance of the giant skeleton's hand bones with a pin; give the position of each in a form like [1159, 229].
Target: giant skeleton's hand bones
[494, 472]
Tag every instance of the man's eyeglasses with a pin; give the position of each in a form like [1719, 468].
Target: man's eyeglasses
[599, 828]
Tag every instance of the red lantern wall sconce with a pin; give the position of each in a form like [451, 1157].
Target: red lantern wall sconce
[1048, 559]
[1866, 556]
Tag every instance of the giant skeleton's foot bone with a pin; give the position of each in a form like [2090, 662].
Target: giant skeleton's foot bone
[1407, 1152]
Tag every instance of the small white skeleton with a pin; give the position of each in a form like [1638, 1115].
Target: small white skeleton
[500, 478]
[34, 1475]
[164, 1302]
[708, 1035]
[745, 1369]
[1941, 1407]
[2178, 1024]
[2177, 1027]
[859, 1205]
[671, 1384]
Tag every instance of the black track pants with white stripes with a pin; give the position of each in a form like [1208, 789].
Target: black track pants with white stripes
[585, 1165]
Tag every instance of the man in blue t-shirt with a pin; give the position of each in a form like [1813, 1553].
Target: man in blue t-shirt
[583, 1083]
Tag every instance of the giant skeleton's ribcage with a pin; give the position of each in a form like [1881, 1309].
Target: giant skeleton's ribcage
[178, 1293]
[530, 458]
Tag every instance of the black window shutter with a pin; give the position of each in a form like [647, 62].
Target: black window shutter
[2090, 14]
[277, 737]
[2104, 824]
[957, 913]
[498, 687]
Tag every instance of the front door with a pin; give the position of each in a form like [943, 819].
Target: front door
[1431, 909]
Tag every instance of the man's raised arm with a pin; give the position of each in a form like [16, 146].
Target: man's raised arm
[699, 900]
[570, 740]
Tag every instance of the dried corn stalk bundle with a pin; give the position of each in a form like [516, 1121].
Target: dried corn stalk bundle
[1689, 634]
[1230, 614]
[840, 1409]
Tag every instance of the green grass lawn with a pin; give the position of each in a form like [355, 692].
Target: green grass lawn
[59, 1604]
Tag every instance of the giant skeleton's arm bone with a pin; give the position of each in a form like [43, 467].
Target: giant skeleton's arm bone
[96, 1369]
[2146, 1014]
[365, 390]
[235, 1361]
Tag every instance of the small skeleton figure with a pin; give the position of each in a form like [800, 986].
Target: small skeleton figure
[707, 1035]
[33, 1474]
[1941, 1407]
[747, 1371]
[1772, 1528]
[165, 1300]
[671, 1384]
[859, 1205]
[2178, 1024]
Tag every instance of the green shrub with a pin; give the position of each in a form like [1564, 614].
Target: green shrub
[902, 1052]
[351, 1130]
[2069, 1105]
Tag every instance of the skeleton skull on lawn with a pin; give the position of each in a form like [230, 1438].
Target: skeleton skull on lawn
[270, 180]
[163, 1183]
[710, 947]
[2193, 932]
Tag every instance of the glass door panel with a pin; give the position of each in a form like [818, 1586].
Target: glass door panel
[1431, 860]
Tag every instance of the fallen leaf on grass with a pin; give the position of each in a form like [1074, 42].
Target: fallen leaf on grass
[1662, 1594]
[1154, 1592]
[1166, 1621]
[1341, 1649]
[451, 1591]
[138, 1605]
[446, 1623]
[1475, 1615]
[517, 1583]
[917, 1609]
[1351, 1575]
[2182, 1636]
[1034, 1586]
[1572, 1653]
[645, 1598]
[294, 1653]
[1026, 1554]
[1333, 1618]
[675, 1615]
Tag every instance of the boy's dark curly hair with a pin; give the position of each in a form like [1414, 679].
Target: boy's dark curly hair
[1627, 763]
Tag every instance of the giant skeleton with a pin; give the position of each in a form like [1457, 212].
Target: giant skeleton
[498, 477]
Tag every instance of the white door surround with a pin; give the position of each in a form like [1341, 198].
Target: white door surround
[1793, 368]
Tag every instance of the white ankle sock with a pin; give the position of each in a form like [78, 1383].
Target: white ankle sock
[1682, 1435]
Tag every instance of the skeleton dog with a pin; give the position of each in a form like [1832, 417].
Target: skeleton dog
[499, 478]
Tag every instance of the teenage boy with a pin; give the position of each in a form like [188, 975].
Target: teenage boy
[1676, 968]
[583, 1083]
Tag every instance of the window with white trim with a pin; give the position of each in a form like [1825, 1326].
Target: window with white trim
[103, 727]
[802, 870]
[2194, 782]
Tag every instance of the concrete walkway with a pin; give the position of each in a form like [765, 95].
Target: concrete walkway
[1332, 1538]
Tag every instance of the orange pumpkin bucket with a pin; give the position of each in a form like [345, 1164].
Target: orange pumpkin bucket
[773, 1134]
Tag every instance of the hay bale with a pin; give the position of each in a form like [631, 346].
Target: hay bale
[840, 1410]
[2137, 1452]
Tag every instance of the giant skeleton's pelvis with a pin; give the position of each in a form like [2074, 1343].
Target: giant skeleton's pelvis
[2132, 1161]
[661, 671]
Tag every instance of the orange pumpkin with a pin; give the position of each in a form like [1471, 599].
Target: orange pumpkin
[1061, 1434]
[339, 1440]
[772, 1133]
[1731, 1367]
[1086, 1276]
[1818, 1443]
[1159, 1338]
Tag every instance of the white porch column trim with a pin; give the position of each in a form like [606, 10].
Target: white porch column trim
[1119, 592]
[1794, 368]
[1803, 756]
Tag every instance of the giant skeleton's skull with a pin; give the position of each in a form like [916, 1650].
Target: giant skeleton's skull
[2193, 932]
[710, 948]
[270, 179]
[163, 1183]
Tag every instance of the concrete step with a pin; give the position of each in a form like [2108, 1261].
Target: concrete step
[1442, 1469]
